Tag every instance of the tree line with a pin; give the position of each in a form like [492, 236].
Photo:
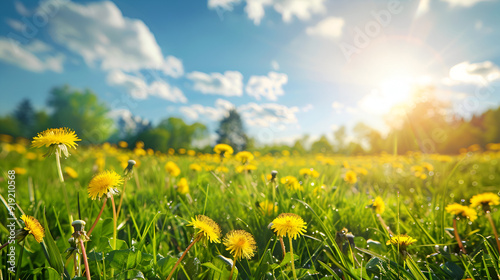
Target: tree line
[429, 125]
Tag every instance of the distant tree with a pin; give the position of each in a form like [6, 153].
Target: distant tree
[182, 134]
[231, 131]
[322, 145]
[340, 136]
[81, 111]
[25, 115]
[369, 136]
[156, 138]
[10, 125]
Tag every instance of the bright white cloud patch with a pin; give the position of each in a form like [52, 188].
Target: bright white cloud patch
[222, 4]
[173, 67]
[423, 7]
[464, 3]
[255, 9]
[213, 113]
[228, 84]
[35, 56]
[265, 115]
[269, 87]
[330, 27]
[101, 34]
[475, 73]
[139, 89]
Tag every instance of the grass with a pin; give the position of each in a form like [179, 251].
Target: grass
[152, 229]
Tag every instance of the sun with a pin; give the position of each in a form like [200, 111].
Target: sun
[389, 93]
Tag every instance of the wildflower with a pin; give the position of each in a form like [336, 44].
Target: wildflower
[378, 205]
[20, 170]
[172, 169]
[195, 167]
[402, 240]
[71, 172]
[104, 183]
[57, 139]
[183, 186]
[288, 224]
[244, 157]
[350, 177]
[240, 244]
[465, 211]
[291, 183]
[245, 168]
[123, 144]
[31, 226]
[31, 156]
[309, 172]
[267, 207]
[207, 228]
[223, 149]
[484, 199]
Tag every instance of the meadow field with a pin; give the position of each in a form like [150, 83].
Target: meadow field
[366, 217]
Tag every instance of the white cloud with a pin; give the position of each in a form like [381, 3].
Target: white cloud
[16, 24]
[464, 3]
[213, 113]
[255, 9]
[269, 86]
[228, 84]
[330, 27]
[253, 114]
[337, 106]
[36, 56]
[101, 34]
[173, 67]
[265, 115]
[474, 73]
[222, 4]
[21, 9]
[139, 89]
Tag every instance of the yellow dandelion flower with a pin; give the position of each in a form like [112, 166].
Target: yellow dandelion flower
[484, 199]
[31, 156]
[71, 172]
[191, 153]
[240, 244]
[266, 207]
[402, 240]
[246, 167]
[207, 228]
[221, 169]
[172, 169]
[183, 186]
[223, 149]
[123, 144]
[244, 156]
[20, 170]
[195, 167]
[291, 183]
[288, 224]
[32, 226]
[62, 138]
[465, 211]
[104, 183]
[350, 177]
[378, 205]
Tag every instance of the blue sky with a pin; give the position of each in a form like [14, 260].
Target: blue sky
[290, 67]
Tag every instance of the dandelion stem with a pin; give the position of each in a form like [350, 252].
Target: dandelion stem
[114, 222]
[283, 246]
[457, 237]
[58, 161]
[98, 216]
[292, 259]
[121, 198]
[488, 215]
[76, 267]
[232, 270]
[85, 261]
[183, 254]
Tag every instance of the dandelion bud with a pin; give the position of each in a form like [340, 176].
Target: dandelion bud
[129, 169]
[273, 175]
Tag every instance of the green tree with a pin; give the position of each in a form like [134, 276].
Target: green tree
[231, 131]
[81, 111]
[182, 134]
[322, 145]
[156, 138]
[25, 115]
